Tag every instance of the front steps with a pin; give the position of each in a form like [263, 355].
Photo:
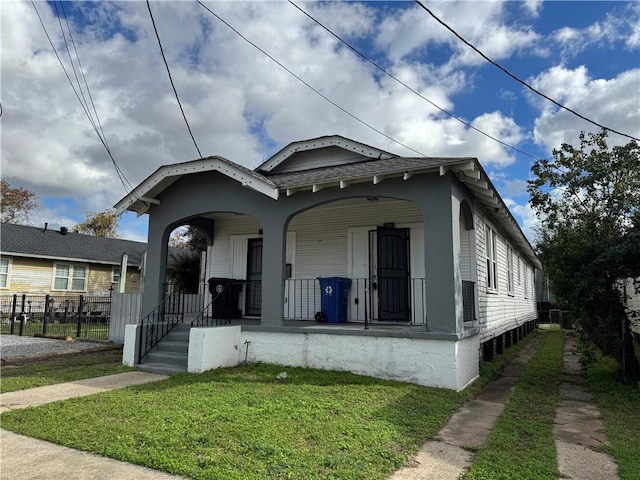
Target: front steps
[170, 355]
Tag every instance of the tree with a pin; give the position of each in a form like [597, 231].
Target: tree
[99, 224]
[16, 203]
[184, 271]
[589, 201]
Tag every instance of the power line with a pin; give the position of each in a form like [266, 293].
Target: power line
[390, 75]
[317, 92]
[171, 79]
[119, 171]
[519, 80]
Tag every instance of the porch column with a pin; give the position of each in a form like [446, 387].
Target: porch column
[441, 258]
[156, 264]
[273, 256]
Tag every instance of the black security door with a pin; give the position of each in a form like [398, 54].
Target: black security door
[253, 303]
[393, 274]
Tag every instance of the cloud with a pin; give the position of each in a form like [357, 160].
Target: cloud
[533, 7]
[481, 23]
[611, 102]
[621, 26]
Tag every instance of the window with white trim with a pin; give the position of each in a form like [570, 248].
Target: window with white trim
[70, 277]
[526, 281]
[4, 272]
[518, 267]
[115, 275]
[509, 270]
[492, 265]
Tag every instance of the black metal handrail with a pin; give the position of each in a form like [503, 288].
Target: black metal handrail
[220, 309]
[157, 324]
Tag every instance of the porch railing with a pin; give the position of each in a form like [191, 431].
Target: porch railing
[222, 307]
[303, 299]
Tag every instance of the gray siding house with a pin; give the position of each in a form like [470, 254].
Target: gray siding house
[341, 256]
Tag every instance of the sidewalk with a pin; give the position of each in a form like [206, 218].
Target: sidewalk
[577, 430]
[449, 455]
[27, 458]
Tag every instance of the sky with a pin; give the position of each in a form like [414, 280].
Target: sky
[240, 104]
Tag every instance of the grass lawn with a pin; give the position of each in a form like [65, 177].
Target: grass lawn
[64, 368]
[98, 331]
[620, 408]
[242, 423]
[521, 445]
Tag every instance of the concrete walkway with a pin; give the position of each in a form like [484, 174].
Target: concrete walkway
[578, 428]
[27, 458]
[449, 454]
[80, 388]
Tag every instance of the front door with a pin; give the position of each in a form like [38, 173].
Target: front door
[392, 274]
[253, 304]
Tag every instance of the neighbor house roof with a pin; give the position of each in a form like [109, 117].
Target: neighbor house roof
[36, 242]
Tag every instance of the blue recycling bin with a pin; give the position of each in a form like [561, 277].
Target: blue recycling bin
[334, 292]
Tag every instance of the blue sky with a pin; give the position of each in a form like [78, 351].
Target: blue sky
[244, 107]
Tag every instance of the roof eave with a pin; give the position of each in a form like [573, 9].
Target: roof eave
[147, 192]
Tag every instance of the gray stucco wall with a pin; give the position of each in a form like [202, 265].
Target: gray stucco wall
[198, 194]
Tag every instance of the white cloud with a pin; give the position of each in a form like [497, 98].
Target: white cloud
[619, 26]
[610, 102]
[533, 7]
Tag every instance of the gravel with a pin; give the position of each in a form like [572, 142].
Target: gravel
[13, 346]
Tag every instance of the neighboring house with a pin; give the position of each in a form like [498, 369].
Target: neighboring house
[631, 290]
[37, 260]
[420, 257]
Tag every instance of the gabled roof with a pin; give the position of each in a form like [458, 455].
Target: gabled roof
[145, 194]
[35, 242]
[368, 164]
[322, 142]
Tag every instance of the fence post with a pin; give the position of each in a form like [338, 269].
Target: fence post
[13, 313]
[24, 298]
[45, 317]
[80, 312]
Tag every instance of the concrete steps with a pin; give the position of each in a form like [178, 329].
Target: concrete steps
[170, 355]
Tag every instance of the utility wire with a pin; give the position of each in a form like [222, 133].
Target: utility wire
[390, 75]
[517, 79]
[171, 79]
[84, 78]
[307, 84]
[102, 140]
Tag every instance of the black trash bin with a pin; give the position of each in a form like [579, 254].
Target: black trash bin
[334, 292]
[225, 293]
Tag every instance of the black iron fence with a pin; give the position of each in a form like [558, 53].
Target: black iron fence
[304, 299]
[77, 316]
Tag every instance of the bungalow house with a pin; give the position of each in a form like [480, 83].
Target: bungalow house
[338, 255]
[38, 261]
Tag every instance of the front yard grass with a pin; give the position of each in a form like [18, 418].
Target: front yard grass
[521, 445]
[62, 368]
[620, 408]
[242, 423]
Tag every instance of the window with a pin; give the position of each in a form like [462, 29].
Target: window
[70, 277]
[492, 267]
[115, 275]
[4, 272]
[510, 270]
[526, 281]
[518, 267]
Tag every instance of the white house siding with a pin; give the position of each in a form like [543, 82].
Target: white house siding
[500, 311]
[321, 238]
